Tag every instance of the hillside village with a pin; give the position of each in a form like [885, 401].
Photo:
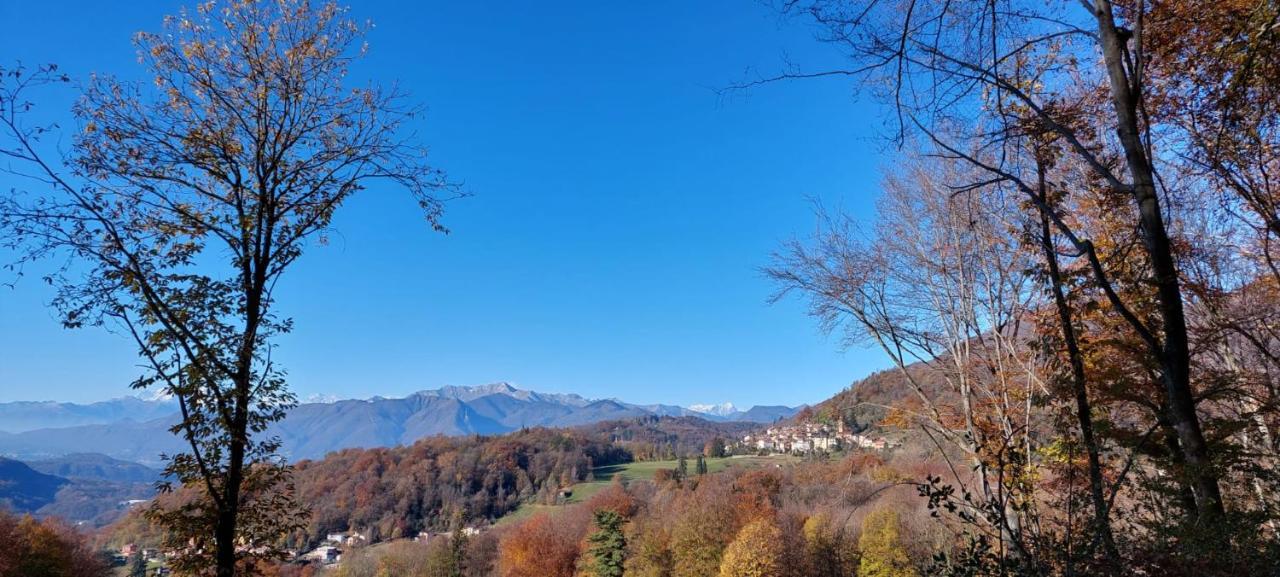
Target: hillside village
[808, 438]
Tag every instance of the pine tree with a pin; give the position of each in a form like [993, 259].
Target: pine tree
[682, 468]
[607, 545]
[137, 565]
[701, 466]
[457, 557]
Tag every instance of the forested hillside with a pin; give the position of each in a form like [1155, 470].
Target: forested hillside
[25, 489]
[656, 438]
[398, 492]
[819, 518]
[390, 493]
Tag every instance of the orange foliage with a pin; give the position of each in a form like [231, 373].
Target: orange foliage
[543, 546]
[614, 498]
[45, 548]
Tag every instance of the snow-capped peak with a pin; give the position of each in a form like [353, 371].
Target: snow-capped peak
[321, 398]
[721, 410]
[155, 394]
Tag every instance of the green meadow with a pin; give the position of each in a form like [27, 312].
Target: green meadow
[639, 471]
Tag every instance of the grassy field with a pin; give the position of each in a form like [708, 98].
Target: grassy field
[639, 471]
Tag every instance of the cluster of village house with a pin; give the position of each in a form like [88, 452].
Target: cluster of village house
[148, 554]
[810, 437]
[330, 552]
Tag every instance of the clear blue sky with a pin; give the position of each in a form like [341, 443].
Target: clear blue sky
[621, 210]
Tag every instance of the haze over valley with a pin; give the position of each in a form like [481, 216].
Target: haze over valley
[136, 430]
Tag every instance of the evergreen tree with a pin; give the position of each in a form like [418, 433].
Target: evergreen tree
[607, 545]
[457, 557]
[701, 466]
[714, 448]
[682, 468]
[137, 565]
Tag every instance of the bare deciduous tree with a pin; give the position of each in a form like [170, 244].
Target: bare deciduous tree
[182, 205]
[969, 76]
[941, 282]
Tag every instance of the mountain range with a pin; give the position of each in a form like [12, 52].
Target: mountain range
[20, 416]
[137, 430]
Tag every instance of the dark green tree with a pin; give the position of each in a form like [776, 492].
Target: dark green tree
[457, 561]
[714, 448]
[608, 545]
[682, 468]
[137, 565]
[700, 467]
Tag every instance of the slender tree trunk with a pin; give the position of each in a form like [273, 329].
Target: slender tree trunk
[254, 271]
[1186, 497]
[225, 536]
[1175, 357]
[1084, 413]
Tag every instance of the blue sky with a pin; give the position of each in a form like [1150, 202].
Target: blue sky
[621, 209]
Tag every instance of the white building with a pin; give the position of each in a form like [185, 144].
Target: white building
[326, 555]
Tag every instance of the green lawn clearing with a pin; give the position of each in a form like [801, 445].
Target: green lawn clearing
[639, 471]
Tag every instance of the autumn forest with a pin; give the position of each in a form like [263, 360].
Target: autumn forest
[1073, 268]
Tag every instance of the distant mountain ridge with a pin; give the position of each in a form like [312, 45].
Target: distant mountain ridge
[21, 416]
[98, 467]
[81, 488]
[312, 430]
[24, 489]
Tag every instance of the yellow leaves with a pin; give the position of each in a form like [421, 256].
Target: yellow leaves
[883, 553]
[887, 474]
[1058, 452]
[193, 50]
[755, 552]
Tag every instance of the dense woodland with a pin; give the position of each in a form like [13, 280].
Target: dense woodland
[1073, 266]
[431, 485]
[838, 517]
[435, 485]
[667, 438]
[46, 548]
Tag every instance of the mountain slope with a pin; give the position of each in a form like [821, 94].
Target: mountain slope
[129, 441]
[865, 402]
[96, 466]
[24, 489]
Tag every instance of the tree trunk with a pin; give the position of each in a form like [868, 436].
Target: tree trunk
[1186, 497]
[225, 541]
[1084, 413]
[1175, 356]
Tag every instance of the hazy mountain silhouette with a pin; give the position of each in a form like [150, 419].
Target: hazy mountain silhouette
[313, 429]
